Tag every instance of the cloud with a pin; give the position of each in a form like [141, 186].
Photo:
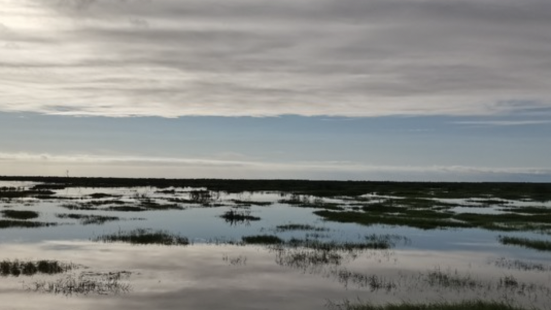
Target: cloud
[504, 122]
[263, 58]
[136, 166]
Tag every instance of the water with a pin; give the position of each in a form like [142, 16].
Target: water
[209, 274]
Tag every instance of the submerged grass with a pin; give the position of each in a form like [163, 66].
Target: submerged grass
[19, 214]
[237, 217]
[18, 268]
[84, 284]
[292, 227]
[88, 219]
[540, 245]
[144, 236]
[262, 239]
[23, 224]
[463, 305]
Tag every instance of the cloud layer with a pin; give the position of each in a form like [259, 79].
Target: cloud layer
[164, 167]
[248, 57]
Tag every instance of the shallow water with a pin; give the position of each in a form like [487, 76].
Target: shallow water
[209, 274]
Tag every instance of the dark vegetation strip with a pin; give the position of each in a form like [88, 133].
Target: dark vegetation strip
[388, 213]
[307, 227]
[87, 219]
[514, 191]
[144, 236]
[19, 214]
[23, 224]
[28, 268]
[463, 305]
[236, 216]
[371, 242]
[540, 245]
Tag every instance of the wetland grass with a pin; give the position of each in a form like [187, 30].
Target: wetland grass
[462, 305]
[28, 268]
[262, 239]
[88, 219]
[84, 284]
[23, 224]
[144, 236]
[19, 214]
[238, 217]
[295, 227]
[540, 245]
[251, 203]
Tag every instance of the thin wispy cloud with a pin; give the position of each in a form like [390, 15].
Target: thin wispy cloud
[247, 57]
[504, 122]
[194, 167]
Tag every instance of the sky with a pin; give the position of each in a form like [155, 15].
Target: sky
[403, 90]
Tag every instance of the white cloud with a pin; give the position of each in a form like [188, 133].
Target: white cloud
[504, 122]
[249, 57]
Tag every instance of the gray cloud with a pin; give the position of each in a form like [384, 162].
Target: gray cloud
[245, 57]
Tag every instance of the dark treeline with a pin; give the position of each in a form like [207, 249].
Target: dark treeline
[534, 191]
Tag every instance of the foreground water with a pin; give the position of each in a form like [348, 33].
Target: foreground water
[216, 270]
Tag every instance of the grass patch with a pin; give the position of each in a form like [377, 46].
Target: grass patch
[463, 305]
[238, 217]
[293, 227]
[102, 195]
[18, 268]
[368, 219]
[540, 245]
[519, 265]
[86, 283]
[304, 201]
[262, 239]
[251, 203]
[144, 236]
[23, 224]
[11, 193]
[88, 219]
[20, 215]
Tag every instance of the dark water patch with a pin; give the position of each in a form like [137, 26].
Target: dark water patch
[18, 268]
[19, 214]
[144, 236]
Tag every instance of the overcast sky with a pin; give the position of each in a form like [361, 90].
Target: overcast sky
[333, 89]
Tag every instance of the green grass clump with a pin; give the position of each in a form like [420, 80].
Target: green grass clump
[23, 224]
[20, 215]
[262, 239]
[367, 218]
[235, 216]
[87, 219]
[144, 236]
[28, 268]
[251, 203]
[463, 305]
[540, 245]
[291, 227]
